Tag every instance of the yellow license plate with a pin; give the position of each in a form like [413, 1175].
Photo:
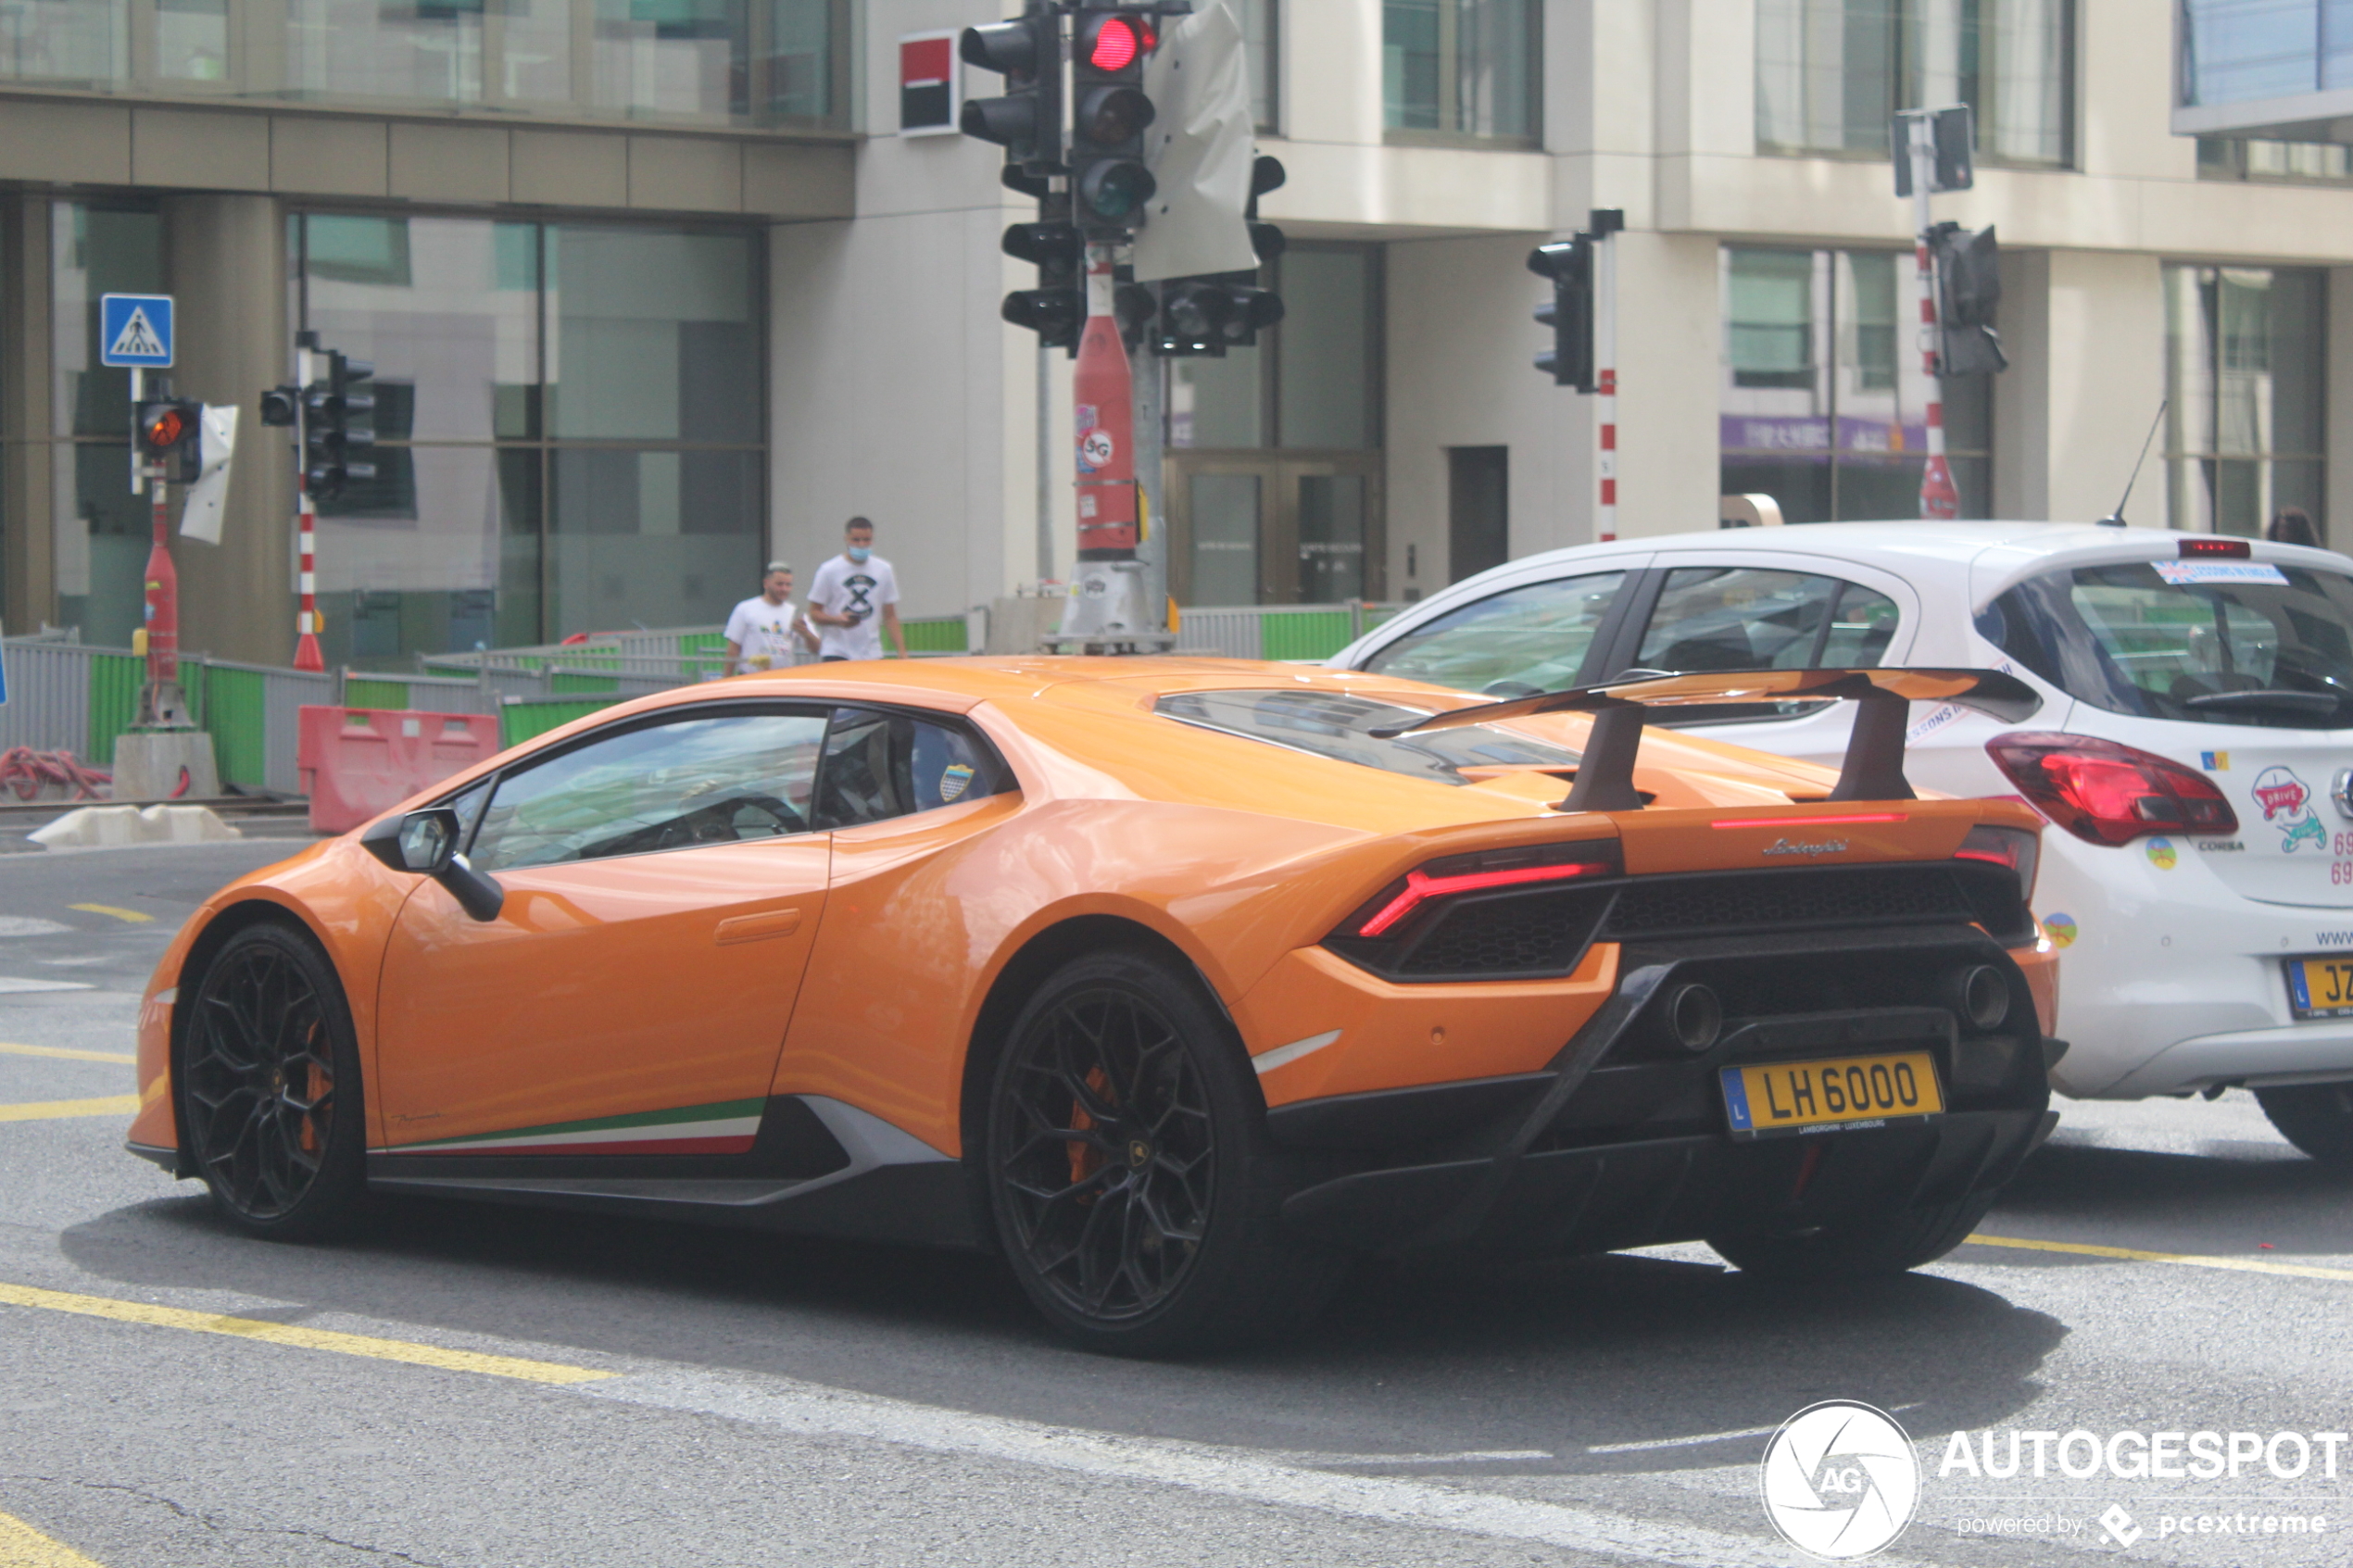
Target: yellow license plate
[2321, 987]
[1853, 1091]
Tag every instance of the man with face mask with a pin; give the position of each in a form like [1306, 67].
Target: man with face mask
[849, 594]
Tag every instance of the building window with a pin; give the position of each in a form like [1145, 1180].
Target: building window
[1262, 43]
[2244, 375]
[570, 429]
[738, 62]
[2234, 157]
[2236, 51]
[1830, 74]
[1456, 70]
[1824, 402]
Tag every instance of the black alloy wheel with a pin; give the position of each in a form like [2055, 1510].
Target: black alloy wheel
[270, 1093]
[1134, 1190]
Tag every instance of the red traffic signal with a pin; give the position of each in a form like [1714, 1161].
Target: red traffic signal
[171, 437]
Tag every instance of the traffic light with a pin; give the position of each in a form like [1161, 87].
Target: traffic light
[278, 404]
[1569, 313]
[1056, 308]
[1107, 173]
[172, 438]
[1209, 315]
[1969, 285]
[328, 431]
[1027, 121]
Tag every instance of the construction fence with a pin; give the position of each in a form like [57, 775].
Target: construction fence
[67, 696]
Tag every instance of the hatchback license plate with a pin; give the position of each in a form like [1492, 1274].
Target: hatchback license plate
[2321, 987]
[1808, 1096]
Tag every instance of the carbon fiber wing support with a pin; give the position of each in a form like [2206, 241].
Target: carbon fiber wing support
[1873, 768]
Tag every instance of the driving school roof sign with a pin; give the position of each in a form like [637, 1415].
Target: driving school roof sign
[135, 329]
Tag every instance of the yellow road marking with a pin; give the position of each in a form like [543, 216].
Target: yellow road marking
[52, 1109]
[66, 1053]
[300, 1338]
[2191, 1260]
[21, 1546]
[134, 916]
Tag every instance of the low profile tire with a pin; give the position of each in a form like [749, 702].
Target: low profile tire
[270, 1094]
[2316, 1118]
[1135, 1192]
[1860, 1247]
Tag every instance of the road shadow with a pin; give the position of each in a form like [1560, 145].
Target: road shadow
[2175, 1202]
[1553, 1359]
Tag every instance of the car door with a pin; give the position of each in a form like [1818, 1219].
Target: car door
[1521, 638]
[1750, 611]
[910, 799]
[664, 888]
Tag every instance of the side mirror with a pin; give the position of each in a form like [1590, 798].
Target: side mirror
[425, 844]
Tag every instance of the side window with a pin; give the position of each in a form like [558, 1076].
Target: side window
[1713, 617]
[881, 765]
[721, 779]
[1520, 641]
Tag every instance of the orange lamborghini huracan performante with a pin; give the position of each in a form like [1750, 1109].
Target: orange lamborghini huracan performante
[1177, 982]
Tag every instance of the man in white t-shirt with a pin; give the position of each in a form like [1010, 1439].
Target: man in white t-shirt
[766, 632]
[850, 593]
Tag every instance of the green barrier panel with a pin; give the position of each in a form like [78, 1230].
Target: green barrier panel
[519, 721]
[115, 680]
[236, 713]
[561, 681]
[1310, 635]
[358, 692]
[944, 633]
[693, 642]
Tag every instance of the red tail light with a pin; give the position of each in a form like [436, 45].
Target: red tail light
[2194, 545]
[1478, 873]
[2107, 793]
[2019, 848]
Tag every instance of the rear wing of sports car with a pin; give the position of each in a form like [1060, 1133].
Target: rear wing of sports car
[1873, 769]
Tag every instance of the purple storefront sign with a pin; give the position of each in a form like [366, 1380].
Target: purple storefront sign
[1805, 436]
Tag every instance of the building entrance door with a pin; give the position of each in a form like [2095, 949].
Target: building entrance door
[1274, 528]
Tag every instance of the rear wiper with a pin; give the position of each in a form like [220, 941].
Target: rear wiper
[2317, 705]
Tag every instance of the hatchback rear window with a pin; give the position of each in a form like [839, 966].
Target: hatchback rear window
[1335, 725]
[2230, 643]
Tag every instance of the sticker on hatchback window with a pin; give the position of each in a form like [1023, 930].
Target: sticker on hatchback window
[2180, 571]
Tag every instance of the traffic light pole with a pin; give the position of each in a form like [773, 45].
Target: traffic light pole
[307, 654]
[1107, 610]
[1938, 498]
[1605, 372]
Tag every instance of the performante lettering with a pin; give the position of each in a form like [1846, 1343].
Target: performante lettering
[1791, 847]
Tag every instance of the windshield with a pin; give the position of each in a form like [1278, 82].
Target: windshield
[1330, 724]
[2233, 642]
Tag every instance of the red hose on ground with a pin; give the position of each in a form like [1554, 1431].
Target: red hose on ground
[25, 772]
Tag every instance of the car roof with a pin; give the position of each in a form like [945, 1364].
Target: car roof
[1918, 538]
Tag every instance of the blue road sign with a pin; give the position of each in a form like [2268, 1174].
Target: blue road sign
[135, 329]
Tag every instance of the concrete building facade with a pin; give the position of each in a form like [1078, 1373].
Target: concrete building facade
[656, 290]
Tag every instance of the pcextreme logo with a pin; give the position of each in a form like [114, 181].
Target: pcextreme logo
[1839, 1480]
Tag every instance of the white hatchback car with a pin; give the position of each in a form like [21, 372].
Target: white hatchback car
[2195, 747]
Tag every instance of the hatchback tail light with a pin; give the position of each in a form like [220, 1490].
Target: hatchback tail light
[2107, 793]
[2018, 849]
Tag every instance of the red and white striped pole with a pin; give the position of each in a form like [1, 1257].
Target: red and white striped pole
[1606, 226]
[1938, 498]
[307, 654]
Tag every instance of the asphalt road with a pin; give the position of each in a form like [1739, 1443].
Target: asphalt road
[464, 1384]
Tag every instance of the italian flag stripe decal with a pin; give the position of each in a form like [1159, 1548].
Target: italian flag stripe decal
[727, 1127]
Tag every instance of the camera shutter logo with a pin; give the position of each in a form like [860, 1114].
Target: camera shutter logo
[1839, 1480]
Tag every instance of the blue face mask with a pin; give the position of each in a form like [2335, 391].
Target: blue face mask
[859, 553]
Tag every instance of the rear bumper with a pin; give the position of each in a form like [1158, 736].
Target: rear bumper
[1623, 1142]
[1639, 1194]
[2317, 1051]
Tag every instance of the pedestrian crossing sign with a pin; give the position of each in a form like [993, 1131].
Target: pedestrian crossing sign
[135, 329]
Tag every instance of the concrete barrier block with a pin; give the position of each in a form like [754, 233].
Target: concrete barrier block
[99, 827]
